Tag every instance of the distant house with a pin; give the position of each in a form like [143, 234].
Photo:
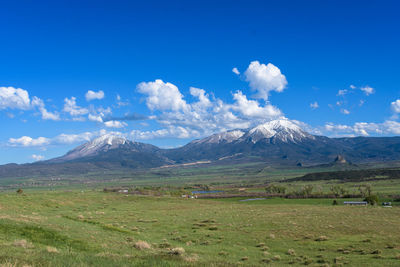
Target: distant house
[123, 191]
[355, 203]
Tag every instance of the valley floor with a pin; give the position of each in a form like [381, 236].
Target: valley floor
[92, 228]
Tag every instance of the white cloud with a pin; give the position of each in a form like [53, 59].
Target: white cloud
[27, 141]
[265, 78]
[37, 157]
[236, 71]
[170, 132]
[204, 101]
[342, 92]
[395, 106]
[367, 90]
[162, 96]
[115, 124]
[46, 115]
[314, 105]
[74, 138]
[14, 98]
[17, 98]
[364, 128]
[252, 109]
[91, 95]
[352, 86]
[345, 111]
[202, 117]
[96, 118]
[73, 109]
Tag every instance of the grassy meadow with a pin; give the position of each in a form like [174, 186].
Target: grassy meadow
[70, 221]
[93, 228]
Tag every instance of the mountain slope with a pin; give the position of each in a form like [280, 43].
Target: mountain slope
[276, 143]
[108, 147]
[282, 142]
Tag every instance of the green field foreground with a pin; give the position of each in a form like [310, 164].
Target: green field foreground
[92, 228]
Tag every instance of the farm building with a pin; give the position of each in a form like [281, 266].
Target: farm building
[355, 203]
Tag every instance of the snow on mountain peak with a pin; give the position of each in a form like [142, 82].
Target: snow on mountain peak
[227, 137]
[108, 139]
[101, 143]
[282, 129]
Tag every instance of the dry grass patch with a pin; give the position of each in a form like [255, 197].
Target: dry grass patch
[291, 252]
[52, 249]
[177, 251]
[322, 238]
[191, 258]
[276, 258]
[22, 243]
[141, 245]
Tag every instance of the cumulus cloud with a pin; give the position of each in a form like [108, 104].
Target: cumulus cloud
[162, 96]
[236, 71]
[314, 105]
[205, 115]
[395, 106]
[27, 141]
[265, 78]
[342, 92]
[17, 98]
[352, 86]
[115, 124]
[367, 90]
[14, 98]
[37, 157]
[46, 115]
[92, 95]
[75, 138]
[72, 108]
[252, 109]
[96, 118]
[169, 132]
[364, 128]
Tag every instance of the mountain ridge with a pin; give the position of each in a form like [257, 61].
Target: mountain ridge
[279, 142]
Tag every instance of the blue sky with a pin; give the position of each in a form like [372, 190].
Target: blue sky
[162, 72]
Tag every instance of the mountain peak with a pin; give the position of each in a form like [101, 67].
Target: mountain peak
[281, 129]
[226, 137]
[100, 144]
[108, 139]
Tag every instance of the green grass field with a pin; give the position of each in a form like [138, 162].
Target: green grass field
[92, 228]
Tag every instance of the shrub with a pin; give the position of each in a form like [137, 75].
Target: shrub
[372, 199]
[276, 258]
[335, 202]
[177, 251]
[291, 252]
[338, 190]
[20, 191]
[321, 238]
[275, 189]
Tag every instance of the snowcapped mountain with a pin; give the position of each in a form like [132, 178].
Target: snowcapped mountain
[276, 143]
[226, 137]
[109, 147]
[276, 130]
[94, 147]
[282, 130]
